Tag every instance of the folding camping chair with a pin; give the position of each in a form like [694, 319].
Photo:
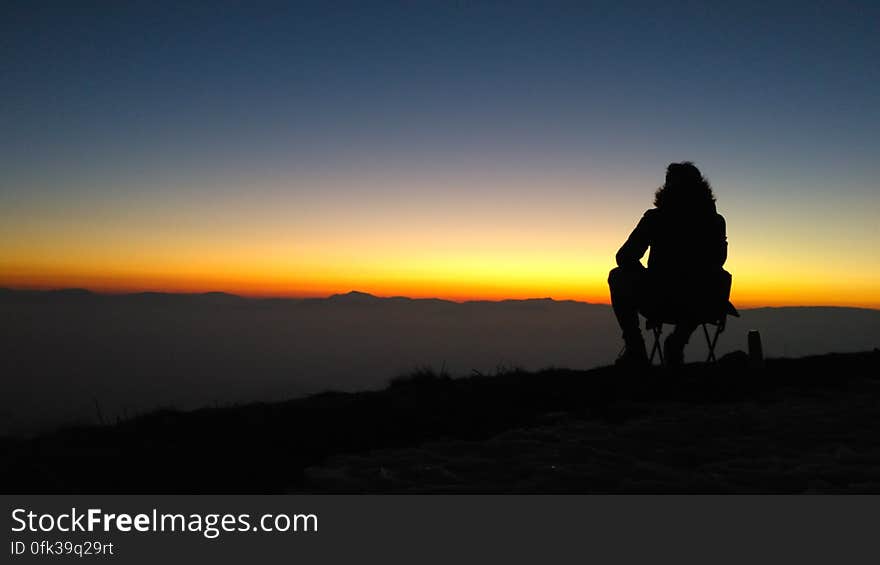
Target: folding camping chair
[656, 326]
[714, 311]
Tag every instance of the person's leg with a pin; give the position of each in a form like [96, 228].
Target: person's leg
[673, 347]
[626, 285]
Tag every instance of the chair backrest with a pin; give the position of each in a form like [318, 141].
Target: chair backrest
[707, 302]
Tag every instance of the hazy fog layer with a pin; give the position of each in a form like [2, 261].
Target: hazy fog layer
[77, 356]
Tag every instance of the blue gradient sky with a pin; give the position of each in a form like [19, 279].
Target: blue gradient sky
[426, 148]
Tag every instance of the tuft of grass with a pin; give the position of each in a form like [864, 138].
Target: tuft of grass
[423, 375]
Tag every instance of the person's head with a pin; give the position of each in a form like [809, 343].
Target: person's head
[685, 189]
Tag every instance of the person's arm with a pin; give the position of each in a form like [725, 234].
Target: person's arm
[637, 243]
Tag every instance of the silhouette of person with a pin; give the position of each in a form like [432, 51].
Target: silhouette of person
[684, 277]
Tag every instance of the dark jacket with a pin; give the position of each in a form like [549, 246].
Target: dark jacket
[683, 243]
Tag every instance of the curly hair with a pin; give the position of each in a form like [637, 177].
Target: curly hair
[685, 188]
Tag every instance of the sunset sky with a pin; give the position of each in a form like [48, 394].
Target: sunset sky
[451, 149]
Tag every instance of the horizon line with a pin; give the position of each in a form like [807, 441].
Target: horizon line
[369, 295]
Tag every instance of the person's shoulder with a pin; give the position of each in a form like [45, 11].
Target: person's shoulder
[649, 219]
[656, 217]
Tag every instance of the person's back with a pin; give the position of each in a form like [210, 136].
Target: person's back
[686, 243]
[688, 247]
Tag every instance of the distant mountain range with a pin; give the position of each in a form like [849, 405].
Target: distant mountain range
[351, 297]
[71, 354]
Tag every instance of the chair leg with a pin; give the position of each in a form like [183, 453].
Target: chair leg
[711, 342]
[656, 349]
[718, 330]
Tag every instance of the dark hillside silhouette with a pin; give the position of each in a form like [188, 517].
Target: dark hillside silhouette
[798, 425]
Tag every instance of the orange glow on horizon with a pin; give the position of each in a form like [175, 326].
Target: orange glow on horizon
[382, 241]
[747, 293]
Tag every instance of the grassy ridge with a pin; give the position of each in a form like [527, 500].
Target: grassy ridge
[267, 447]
